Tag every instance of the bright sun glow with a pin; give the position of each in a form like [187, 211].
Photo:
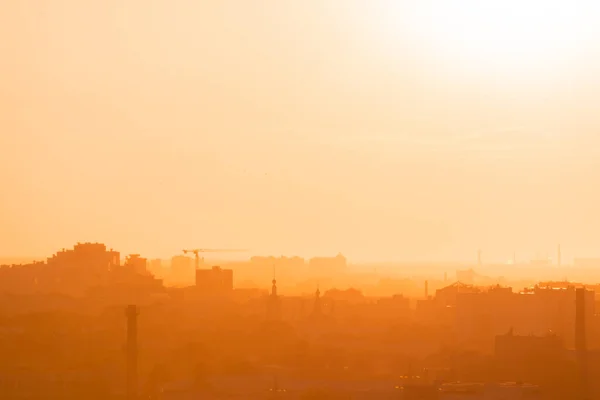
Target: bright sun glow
[494, 34]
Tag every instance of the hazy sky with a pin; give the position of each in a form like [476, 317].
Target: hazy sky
[384, 129]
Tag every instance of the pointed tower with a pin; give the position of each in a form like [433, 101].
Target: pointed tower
[274, 288]
[274, 307]
[317, 311]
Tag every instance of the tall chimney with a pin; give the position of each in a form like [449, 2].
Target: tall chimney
[580, 344]
[580, 340]
[558, 258]
[132, 367]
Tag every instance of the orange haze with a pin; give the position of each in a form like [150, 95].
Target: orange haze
[301, 128]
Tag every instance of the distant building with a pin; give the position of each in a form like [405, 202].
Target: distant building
[137, 264]
[547, 308]
[214, 281]
[447, 296]
[397, 305]
[248, 294]
[87, 268]
[285, 267]
[555, 311]
[91, 256]
[511, 349]
[350, 295]
[73, 271]
[328, 266]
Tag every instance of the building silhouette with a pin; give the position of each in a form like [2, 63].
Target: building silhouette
[214, 281]
[137, 264]
[327, 266]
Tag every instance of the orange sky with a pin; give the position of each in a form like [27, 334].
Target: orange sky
[290, 128]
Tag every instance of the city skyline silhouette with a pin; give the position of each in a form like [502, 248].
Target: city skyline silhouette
[303, 200]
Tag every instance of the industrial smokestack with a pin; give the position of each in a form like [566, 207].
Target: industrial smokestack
[580, 319]
[580, 340]
[132, 367]
[558, 257]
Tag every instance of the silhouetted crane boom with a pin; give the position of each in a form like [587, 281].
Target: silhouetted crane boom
[197, 252]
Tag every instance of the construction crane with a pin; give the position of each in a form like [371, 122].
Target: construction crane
[197, 252]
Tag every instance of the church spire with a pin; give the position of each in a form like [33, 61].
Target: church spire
[317, 309]
[274, 284]
[273, 304]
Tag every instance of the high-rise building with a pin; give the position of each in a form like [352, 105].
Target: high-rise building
[74, 271]
[214, 281]
[89, 256]
[137, 264]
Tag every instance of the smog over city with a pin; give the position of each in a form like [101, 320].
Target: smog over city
[334, 199]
